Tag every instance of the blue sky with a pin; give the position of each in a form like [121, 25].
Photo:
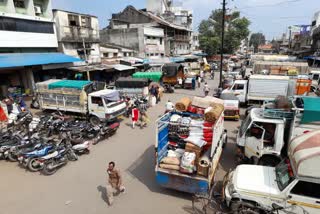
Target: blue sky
[271, 17]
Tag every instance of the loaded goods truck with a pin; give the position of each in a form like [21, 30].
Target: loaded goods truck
[183, 161]
[80, 97]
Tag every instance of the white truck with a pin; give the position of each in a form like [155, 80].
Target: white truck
[174, 179]
[260, 88]
[80, 97]
[264, 134]
[293, 186]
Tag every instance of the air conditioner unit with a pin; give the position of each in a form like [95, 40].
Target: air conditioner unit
[37, 10]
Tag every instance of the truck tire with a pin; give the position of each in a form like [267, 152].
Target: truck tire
[94, 120]
[268, 161]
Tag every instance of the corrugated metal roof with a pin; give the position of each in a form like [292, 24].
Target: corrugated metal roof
[89, 68]
[30, 59]
[120, 67]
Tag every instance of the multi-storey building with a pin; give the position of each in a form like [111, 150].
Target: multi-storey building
[28, 44]
[149, 34]
[78, 35]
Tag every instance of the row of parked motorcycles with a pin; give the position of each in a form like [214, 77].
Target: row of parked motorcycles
[48, 143]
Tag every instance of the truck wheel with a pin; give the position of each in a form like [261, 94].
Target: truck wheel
[268, 161]
[94, 120]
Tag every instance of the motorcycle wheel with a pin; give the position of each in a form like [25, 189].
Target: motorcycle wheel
[49, 168]
[34, 166]
[72, 156]
[12, 157]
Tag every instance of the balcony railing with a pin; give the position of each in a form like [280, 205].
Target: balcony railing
[77, 34]
[182, 38]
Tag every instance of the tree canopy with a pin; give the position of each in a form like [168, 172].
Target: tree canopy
[257, 39]
[236, 29]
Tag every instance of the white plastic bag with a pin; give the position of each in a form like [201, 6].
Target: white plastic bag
[188, 162]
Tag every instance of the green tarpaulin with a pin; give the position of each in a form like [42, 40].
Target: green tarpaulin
[311, 111]
[154, 76]
[76, 84]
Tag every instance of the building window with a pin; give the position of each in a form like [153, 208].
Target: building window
[162, 55]
[19, 3]
[115, 54]
[160, 41]
[86, 21]
[152, 54]
[22, 25]
[73, 20]
[125, 54]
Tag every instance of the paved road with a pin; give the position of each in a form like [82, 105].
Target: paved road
[80, 186]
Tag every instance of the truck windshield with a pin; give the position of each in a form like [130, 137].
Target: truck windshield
[245, 124]
[284, 174]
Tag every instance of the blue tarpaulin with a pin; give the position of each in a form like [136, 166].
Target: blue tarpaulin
[29, 59]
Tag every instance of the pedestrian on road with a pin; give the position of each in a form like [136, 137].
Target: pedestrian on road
[206, 89]
[202, 75]
[169, 106]
[114, 184]
[134, 116]
[144, 119]
[199, 81]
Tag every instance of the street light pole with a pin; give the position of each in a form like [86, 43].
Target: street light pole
[222, 41]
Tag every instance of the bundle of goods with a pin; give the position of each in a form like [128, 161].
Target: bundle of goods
[200, 104]
[183, 104]
[205, 102]
[213, 113]
[185, 151]
[179, 125]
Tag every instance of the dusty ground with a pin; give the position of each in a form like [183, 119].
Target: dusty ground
[79, 187]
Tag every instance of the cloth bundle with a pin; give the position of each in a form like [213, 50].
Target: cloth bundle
[187, 164]
[183, 104]
[205, 102]
[213, 113]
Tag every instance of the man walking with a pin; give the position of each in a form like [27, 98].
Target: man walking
[114, 184]
[206, 89]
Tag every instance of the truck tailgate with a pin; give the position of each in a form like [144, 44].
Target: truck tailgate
[184, 183]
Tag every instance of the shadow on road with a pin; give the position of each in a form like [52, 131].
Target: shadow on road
[188, 209]
[143, 170]
[103, 191]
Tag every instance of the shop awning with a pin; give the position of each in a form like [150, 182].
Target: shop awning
[30, 59]
[120, 67]
[89, 68]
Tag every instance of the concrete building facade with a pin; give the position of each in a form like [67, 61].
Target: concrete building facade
[149, 34]
[111, 51]
[26, 26]
[78, 35]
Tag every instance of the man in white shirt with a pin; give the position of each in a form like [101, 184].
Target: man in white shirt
[169, 106]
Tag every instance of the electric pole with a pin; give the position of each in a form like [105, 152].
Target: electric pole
[222, 41]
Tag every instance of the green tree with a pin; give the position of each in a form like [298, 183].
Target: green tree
[257, 39]
[236, 29]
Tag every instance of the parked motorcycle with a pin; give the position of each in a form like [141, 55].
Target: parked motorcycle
[52, 162]
[31, 159]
